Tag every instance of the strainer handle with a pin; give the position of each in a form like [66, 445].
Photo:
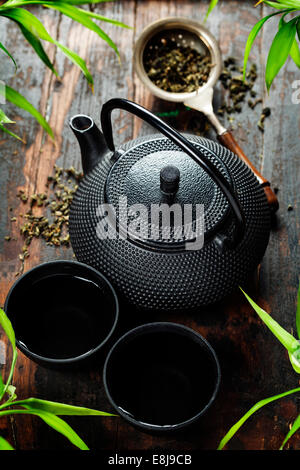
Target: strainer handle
[187, 147]
[229, 141]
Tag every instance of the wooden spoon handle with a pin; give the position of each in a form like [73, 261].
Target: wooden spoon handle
[229, 141]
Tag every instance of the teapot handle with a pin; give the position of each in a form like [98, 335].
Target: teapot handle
[187, 147]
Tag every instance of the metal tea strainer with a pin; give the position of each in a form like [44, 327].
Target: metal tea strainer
[188, 32]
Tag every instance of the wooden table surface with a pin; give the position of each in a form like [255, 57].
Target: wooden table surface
[254, 365]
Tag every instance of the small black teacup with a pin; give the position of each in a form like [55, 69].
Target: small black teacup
[161, 376]
[62, 312]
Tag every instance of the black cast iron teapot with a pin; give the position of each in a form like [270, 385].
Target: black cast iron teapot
[191, 264]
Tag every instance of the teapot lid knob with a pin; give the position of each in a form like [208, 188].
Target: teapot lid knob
[169, 179]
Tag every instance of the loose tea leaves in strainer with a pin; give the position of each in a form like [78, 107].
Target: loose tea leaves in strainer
[176, 68]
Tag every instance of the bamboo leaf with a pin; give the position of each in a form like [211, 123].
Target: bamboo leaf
[77, 60]
[295, 360]
[280, 6]
[82, 2]
[9, 331]
[298, 313]
[5, 119]
[104, 18]
[285, 338]
[76, 15]
[36, 28]
[1, 384]
[38, 47]
[11, 392]
[290, 3]
[294, 428]
[4, 445]
[294, 52]
[62, 427]
[7, 327]
[232, 431]
[4, 129]
[17, 99]
[271, 4]
[253, 33]
[20, 3]
[211, 6]
[57, 408]
[28, 21]
[8, 53]
[74, 2]
[54, 422]
[283, 2]
[279, 50]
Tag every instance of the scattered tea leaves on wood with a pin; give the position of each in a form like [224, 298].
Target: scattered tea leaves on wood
[52, 225]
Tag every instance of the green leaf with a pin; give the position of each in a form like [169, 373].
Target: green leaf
[17, 99]
[253, 33]
[294, 52]
[295, 360]
[18, 3]
[1, 384]
[36, 28]
[4, 129]
[298, 28]
[279, 50]
[104, 18]
[9, 331]
[5, 119]
[11, 392]
[4, 445]
[38, 47]
[294, 428]
[77, 60]
[82, 2]
[290, 3]
[58, 408]
[211, 6]
[286, 339]
[298, 313]
[276, 5]
[62, 427]
[279, 6]
[232, 431]
[28, 21]
[7, 327]
[8, 53]
[54, 422]
[77, 15]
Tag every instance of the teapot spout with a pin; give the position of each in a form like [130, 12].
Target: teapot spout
[91, 141]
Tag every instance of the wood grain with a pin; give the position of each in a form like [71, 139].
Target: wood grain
[254, 365]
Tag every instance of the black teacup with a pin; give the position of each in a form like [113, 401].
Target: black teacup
[161, 376]
[62, 312]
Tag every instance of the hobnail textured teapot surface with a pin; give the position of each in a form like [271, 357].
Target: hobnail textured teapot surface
[163, 274]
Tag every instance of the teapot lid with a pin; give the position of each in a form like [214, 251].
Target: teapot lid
[153, 174]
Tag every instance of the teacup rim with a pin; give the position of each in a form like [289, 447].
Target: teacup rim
[81, 357]
[150, 426]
